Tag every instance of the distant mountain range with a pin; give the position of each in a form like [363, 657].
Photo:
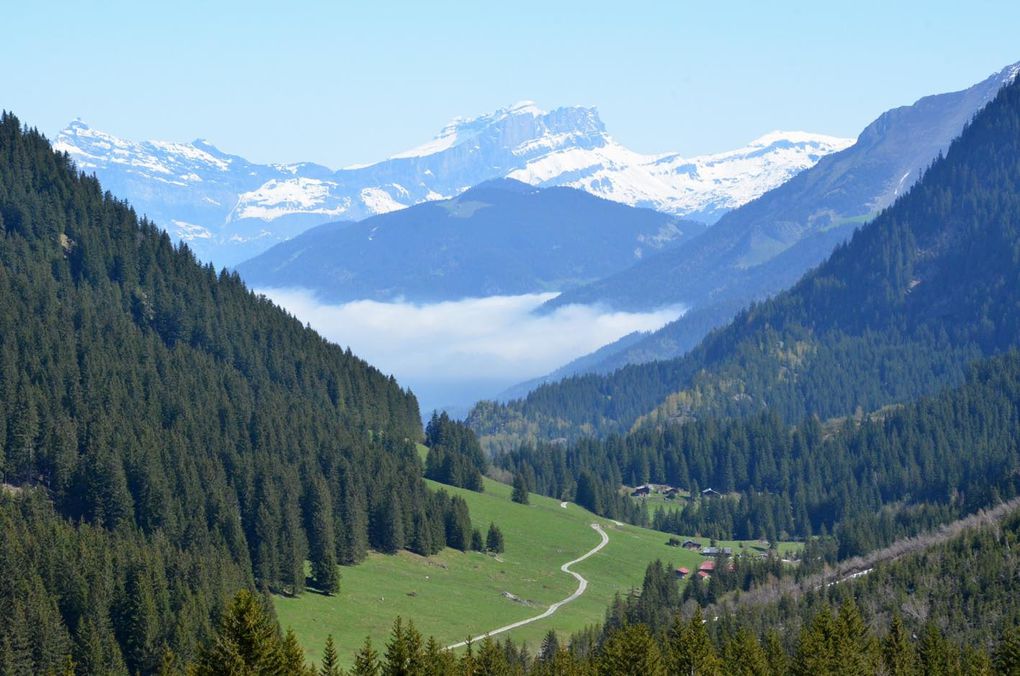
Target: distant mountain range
[229, 209]
[502, 237]
[929, 285]
[764, 246]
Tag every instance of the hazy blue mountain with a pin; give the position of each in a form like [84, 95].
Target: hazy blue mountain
[229, 209]
[503, 237]
[929, 285]
[764, 246]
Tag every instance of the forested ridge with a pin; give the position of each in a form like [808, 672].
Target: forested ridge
[868, 480]
[167, 437]
[928, 286]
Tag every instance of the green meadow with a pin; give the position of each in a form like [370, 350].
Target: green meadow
[455, 595]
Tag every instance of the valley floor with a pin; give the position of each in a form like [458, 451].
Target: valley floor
[455, 596]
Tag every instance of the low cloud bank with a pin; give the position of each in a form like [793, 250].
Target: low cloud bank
[494, 340]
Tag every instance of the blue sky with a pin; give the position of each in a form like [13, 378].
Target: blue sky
[344, 82]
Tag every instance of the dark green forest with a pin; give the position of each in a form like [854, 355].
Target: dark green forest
[167, 437]
[897, 312]
[868, 481]
[455, 457]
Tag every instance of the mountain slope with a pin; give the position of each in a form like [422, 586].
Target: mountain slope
[166, 436]
[229, 209]
[809, 215]
[931, 283]
[835, 196]
[503, 237]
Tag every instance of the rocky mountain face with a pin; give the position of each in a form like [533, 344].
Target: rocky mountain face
[229, 209]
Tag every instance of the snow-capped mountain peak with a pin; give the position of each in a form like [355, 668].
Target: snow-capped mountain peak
[230, 209]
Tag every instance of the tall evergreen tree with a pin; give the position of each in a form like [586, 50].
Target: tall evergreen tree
[520, 491]
[330, 665]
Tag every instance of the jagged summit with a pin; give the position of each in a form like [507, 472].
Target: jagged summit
[230, 209]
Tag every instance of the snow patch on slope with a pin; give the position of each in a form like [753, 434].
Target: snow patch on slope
[280, 197]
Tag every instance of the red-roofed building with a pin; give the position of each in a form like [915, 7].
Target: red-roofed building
[704, 574]
[707, 567]
[682, 572]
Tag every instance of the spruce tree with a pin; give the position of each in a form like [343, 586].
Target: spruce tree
[366, 661]
[520, 492]
[330, 660]
[1007, 653]
[631, 650]
[494, 539]
[246, 641]
[291, 654]
[550, 646]
[897, 650]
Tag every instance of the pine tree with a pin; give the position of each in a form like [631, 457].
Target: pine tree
[141, 624]
[1007, 653]
[321, 533]
[436, 660]
[491, 659]
[404, 651]
[494, 539]
[631, 650]
[246, 641]
[775, 654]
[521, 489]
[935, 653]
[744, 656]
[690, 648]
[291, 655]
[550, 646]
[855, 650]
[366, 661]
[330, 660]
[897, 651]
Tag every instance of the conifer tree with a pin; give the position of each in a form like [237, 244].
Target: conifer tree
[436, 660]
[744, 656]
[1007, 653]
[935, 653]
[494, 539]
[246, 641]
[491, 659]
[520, 492]
[690, 648]
[292, 656]
[366, 661]
[140, 624]
[550, 646]
[631, 650]
[330, 665]
[897, 650]
[321, 533]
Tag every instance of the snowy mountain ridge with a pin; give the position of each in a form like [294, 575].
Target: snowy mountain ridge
[230, 209]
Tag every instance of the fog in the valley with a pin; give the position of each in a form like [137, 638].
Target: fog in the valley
[454, 353]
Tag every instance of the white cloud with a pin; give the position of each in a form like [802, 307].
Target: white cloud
[495, 339]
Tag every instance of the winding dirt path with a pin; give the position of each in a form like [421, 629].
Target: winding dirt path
[582, 585]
